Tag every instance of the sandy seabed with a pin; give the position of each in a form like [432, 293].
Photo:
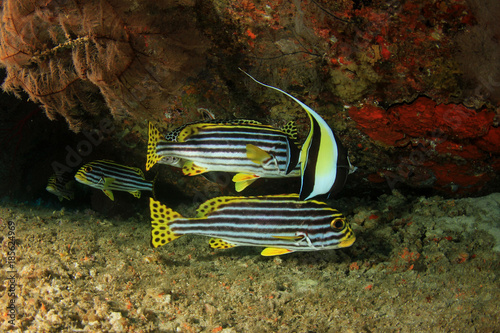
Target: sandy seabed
[418, 265]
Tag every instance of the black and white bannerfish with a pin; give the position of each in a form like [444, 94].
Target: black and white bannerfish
[323, 160]
[280, 223]
[62, 185]
[247, 148]
[110, 176]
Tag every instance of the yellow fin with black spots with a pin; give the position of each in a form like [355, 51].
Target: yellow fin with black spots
[190, 130]
[290, 129]
[161, 217]
[191, 169]
[245, 122]
[213, 204]
[153, 139]
[219, 243]
[256, 154]
[274, 251]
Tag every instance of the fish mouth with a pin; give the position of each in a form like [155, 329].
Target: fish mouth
[81, 178]
[51, 189]
[347, 241]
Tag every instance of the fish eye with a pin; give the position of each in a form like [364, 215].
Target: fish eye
[88, 169]
[338, 223]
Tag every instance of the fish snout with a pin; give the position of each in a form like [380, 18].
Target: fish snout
[80, 177]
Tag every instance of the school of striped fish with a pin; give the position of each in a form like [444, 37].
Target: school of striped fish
[250, 150]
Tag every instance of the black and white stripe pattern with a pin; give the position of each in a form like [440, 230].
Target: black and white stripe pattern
[223, 147]
[276, 221]
[125, 178]
[323, 160]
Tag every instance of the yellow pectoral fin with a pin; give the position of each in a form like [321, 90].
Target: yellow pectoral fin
[274, 251]
[109, 194]
[240, 186]
[108, 181]
[291, 238]
[191, 169]
[256, 154]
[136, 193]
[219, 243]
[241, 177]
[243, 180]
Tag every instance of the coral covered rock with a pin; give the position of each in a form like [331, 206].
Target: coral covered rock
[411, 87]
[80, 58]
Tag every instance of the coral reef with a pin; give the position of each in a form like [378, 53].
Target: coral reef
[79, 58]
[397, 63]
[447, 146]
[392, 78]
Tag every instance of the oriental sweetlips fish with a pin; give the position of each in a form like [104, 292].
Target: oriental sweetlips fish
[245, 147]
[323, 160]
[61, 185]
[109, 176]
[280, 223]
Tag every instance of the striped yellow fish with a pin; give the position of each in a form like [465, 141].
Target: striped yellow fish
[110, 176]
[61, 185]
[324, 162]
[245, 147]
[280, 223]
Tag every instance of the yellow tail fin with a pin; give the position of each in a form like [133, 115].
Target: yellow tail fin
[161, 217]
[154, 137]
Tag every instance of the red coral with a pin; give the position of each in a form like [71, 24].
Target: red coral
[491, 141]
[423, 117]
[448, 124]
[464, 151]
[376, 124]
[438, 134]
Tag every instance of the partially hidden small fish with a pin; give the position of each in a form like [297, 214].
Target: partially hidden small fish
[280, 223]
[110, 176]
[323, 159]
[247, 148]
[61, 185]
